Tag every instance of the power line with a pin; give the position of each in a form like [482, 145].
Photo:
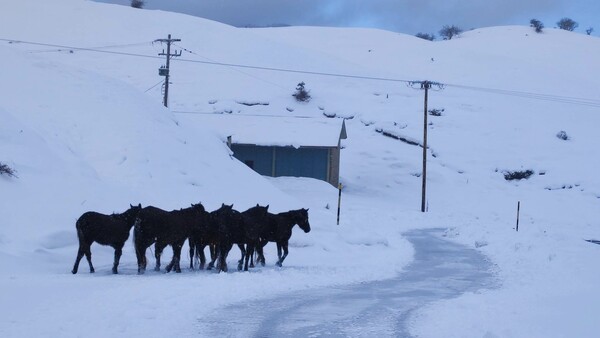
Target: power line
[159, 82]
[237, 70]
[297, 71]
[95, 48]
[527, 95]
[80, 48]
[531, 95]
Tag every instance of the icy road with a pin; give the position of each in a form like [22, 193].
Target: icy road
[441, 269]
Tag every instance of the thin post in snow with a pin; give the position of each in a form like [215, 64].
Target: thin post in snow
[339, 202]
[518, 211]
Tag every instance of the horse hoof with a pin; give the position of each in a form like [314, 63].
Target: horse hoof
[278, 264]
[73, 271]
[92, 270]
[115, 272]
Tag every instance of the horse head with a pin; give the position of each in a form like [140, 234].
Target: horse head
[198, 207]
[130, 214]
[302, 220]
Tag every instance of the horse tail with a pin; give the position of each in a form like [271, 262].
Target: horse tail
[80, 236]
[80, 225]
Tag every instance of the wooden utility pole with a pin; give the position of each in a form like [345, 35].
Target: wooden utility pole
[164, 70]
[424, 85]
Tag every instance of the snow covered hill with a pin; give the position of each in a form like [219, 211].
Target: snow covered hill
[83, 125]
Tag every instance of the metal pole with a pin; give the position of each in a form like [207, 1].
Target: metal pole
[339, 202]
[425, 86]
[518, 211]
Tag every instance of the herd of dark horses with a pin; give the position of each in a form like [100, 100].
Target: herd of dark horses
[218, 230]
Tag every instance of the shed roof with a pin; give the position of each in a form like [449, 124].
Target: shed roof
[274, 130]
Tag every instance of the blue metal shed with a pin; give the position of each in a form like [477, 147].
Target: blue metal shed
[282, 145]
[311, 155]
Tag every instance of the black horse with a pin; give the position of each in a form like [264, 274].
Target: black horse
[163, 228]
[254, 219]
[103, 229]
[278, 229]
[238, 228]
[203, 235]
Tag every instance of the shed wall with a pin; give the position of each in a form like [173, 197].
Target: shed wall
[316, 162]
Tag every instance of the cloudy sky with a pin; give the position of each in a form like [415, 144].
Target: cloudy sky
[406, 16]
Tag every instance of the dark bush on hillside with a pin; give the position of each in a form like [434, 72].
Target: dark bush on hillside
[517, 175]
[562, 135]
[137, 3]
[567, 24]
[6, 170]
[436, 112]
[448, 32]
[426, 36]
[301, 94]
[537, 25]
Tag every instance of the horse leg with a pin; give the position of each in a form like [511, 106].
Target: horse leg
[278, 254]
[261, 255]
[285, 252]
[177, 257]
[249, 253]
[88, 255]
[118, 253]
[171, 264]
[243, 252]
[141, 258]
[158, 249]
[213, 256]
[223, 252]
[80, 254]
[192, 252]
[200, 252]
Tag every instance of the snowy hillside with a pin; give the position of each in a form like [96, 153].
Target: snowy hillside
[83, 125]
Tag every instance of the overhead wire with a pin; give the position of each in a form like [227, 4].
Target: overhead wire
[522, 94]
[237, 70]
[531, 95]
[159, 82]
[94, 48]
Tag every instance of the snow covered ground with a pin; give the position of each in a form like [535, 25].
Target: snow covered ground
[85, 130]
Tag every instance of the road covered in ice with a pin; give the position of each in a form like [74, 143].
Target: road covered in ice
[441, 270]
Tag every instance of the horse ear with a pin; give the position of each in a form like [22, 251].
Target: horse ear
[267, 206]
[139, 205]
[131, 206]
